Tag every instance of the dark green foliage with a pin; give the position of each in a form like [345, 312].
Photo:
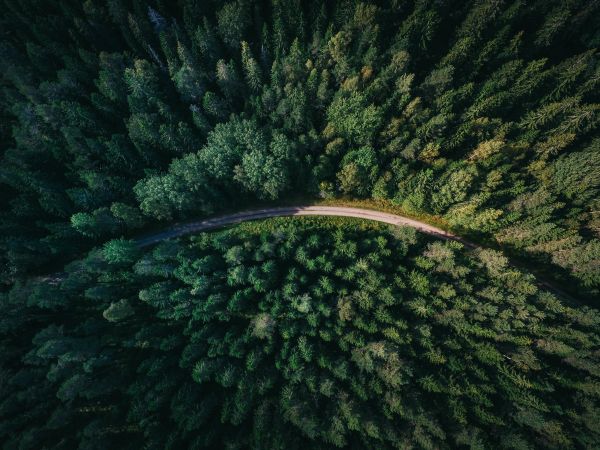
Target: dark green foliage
[298, 334]
[451, 108]
[118, 114]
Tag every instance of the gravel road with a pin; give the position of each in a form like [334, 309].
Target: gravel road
[179, 230]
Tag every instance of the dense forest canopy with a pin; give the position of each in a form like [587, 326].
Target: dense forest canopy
[298, 333]
[119, 116]
[118, 113]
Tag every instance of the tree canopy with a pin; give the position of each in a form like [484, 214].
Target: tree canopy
[117, 114]
[118, 117]
[298, 333]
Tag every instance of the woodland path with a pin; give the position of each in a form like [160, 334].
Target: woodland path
[179, 230]
[256, 214]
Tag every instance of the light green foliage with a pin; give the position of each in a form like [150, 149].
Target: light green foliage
[99, 223]
[353, 118]
[251, 68]
[359, 170]
[237, 155]
[120, 251]
[452, 188]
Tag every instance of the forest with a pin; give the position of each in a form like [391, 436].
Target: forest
[118, 117]
[298, 333]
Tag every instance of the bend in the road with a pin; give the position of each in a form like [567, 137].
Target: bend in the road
[257, 214]
[180, 230]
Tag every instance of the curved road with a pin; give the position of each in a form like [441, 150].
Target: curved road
[256, 214]
[179, 230]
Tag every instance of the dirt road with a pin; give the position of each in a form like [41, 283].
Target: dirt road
[256, 214]
[179, 230]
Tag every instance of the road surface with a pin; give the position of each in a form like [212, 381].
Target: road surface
[179, 230]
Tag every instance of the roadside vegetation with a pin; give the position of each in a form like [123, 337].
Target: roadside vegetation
[120, 113]
[296, 333]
